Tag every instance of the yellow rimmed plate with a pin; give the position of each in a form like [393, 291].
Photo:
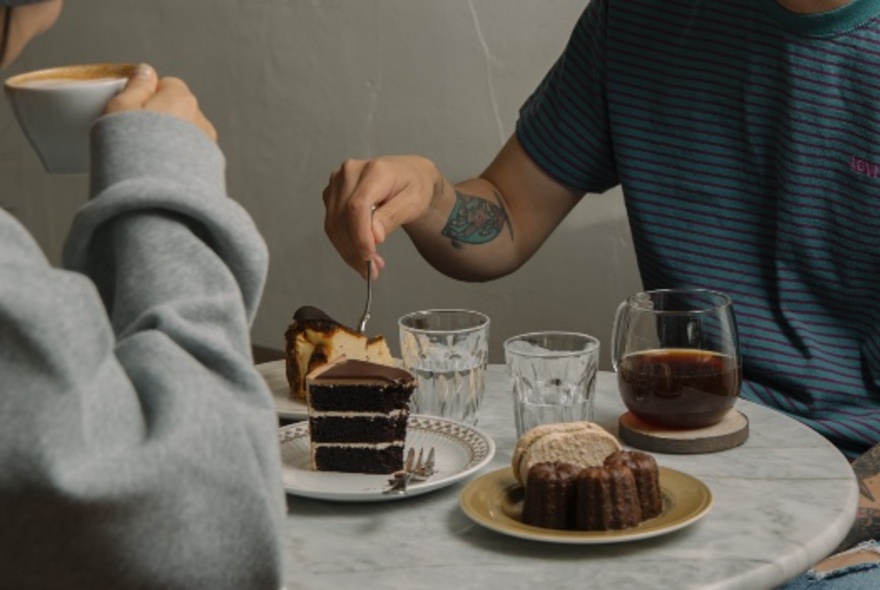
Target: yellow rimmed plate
[494, 500]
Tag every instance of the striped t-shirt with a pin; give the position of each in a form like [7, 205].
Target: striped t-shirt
[746, 140]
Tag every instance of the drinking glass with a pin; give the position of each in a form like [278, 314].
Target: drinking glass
[676, 353]
[447, 350]
[553, 376]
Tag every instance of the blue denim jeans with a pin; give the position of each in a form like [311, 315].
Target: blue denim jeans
[863, 576]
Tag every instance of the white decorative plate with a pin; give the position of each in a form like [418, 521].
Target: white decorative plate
[460, 450]
[275, 374]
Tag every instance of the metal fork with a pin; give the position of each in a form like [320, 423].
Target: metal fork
[413, 469]
[362, 325]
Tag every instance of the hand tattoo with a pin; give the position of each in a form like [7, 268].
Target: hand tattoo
[475, 220]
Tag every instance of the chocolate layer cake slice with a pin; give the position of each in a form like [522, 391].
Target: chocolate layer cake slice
[358, 414]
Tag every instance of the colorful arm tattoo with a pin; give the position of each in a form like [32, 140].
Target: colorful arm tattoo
[867, 523]
[475, 220]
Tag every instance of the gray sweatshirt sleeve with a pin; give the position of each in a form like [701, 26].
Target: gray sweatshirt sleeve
[139, 446]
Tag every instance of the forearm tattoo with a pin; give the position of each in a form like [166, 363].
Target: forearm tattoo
[867, 523]
[475, 220]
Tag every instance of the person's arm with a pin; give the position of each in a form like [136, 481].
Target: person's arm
[867, 522]
[476, 230]
[139, 443]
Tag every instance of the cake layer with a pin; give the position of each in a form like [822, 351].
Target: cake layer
[358, 414]
[358, 398]
[354, 459]
[358, 428]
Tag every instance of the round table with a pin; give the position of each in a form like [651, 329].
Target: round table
[782, 501]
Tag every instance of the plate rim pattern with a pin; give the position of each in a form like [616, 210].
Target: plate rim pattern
[478, 446]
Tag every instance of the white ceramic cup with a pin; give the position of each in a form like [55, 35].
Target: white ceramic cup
[56, 107]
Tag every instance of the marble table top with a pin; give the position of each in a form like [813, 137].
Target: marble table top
[782, 501]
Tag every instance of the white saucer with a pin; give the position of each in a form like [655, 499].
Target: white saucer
[275, 374]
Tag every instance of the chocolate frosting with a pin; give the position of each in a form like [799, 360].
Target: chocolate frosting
[355, 370]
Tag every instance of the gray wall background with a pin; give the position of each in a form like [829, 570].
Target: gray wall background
[296, 86]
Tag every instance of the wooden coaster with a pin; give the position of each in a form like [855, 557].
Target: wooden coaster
[732, 431]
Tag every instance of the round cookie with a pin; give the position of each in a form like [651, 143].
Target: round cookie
[584, 444]
[530, 436]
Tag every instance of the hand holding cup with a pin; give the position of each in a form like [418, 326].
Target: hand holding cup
[56, 107]
[145, 91]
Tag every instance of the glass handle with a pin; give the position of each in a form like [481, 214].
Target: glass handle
[618, 335]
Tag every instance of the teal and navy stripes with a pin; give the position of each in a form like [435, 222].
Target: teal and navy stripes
[745, 139]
